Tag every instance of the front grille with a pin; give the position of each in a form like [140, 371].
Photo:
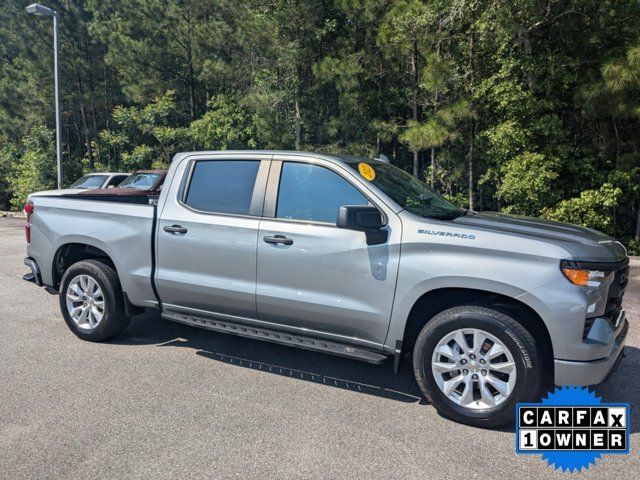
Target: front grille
[613, 307]
[616, 292]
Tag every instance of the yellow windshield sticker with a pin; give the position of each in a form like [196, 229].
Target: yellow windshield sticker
[367, 171]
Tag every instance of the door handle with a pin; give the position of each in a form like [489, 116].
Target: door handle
[278, 239]
[175, 229]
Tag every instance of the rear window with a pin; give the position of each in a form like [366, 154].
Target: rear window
[219, 186]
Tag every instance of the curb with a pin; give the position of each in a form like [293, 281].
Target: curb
[13, 214]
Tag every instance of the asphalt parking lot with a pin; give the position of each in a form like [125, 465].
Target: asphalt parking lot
[171, 401]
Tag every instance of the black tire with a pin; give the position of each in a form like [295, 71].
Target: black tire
[512, 334]
[114, 320]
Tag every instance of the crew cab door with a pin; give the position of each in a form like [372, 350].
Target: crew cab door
[314, 276]
[207, 235]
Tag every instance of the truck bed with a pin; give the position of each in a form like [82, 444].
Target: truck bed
[122, 228]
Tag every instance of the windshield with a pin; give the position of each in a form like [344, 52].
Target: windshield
[140, 181]
[406, 190]
[89, 182]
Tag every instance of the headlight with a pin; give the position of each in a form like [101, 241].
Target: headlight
[587, 278]
[596, 283]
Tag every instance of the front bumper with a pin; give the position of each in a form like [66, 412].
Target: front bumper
[569, 372]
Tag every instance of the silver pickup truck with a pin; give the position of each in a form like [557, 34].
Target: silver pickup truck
[348, 256]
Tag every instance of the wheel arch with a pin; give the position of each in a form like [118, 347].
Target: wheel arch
[435, 301]
[69, 253]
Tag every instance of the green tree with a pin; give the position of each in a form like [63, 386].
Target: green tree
[404, 34]
[225, 125]
[527, 106]
[593, 208]
[34, 165]
[528, 183]
[142, 137]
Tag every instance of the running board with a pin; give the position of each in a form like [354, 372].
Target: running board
[274, 336]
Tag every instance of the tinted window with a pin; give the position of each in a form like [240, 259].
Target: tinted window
[141, 181]
[89, 182]
[223, 186]
[310, 192]
[116, 180]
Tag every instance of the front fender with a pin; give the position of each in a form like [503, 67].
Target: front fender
[405, 300]
[444, 255]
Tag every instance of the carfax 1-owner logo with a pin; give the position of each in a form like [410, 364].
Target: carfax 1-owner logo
[572, 428]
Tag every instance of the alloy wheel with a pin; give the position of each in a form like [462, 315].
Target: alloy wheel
[85, 302]
[474, 369]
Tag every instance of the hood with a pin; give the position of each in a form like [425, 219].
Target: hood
[584, 243]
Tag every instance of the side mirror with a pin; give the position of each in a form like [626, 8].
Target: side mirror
[363, 218]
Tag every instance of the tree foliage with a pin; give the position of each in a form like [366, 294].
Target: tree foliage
[34, 168]
[527, 106]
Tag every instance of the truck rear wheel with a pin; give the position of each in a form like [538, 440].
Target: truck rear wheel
[474, 364]
[91, 301]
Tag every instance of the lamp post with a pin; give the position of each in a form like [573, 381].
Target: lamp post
[40, 10]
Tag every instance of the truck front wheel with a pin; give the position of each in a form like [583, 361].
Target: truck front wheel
[91, 301]
[474, 364]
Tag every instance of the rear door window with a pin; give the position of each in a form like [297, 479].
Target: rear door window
[222, 186]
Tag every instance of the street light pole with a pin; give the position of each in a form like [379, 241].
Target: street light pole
[43, 11]
[56, 67]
